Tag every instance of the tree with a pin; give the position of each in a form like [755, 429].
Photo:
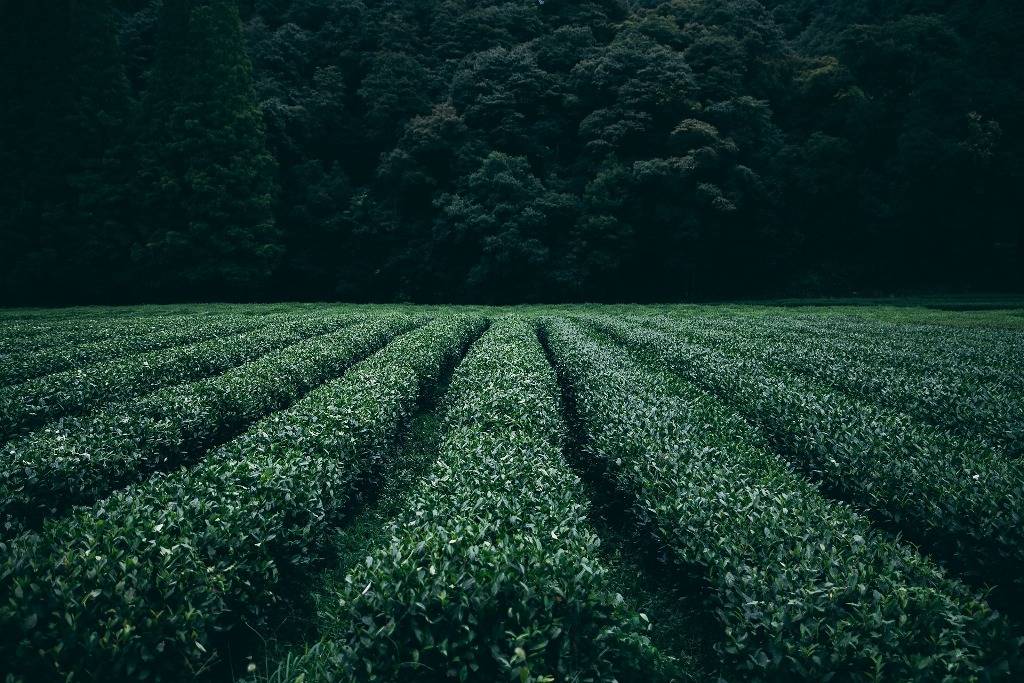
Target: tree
[634, 89]
[503, 93]
[395, 89]
[65, 110]
[498, 232]
[438, 149]
[206, 180]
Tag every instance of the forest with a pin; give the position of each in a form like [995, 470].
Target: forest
[508, 151]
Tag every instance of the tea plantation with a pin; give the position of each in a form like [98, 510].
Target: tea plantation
[301, 493]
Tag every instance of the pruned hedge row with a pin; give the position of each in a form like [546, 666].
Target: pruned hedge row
[50, 331]
[960, 395]
[25, 365]
[145, 584]
[29, 404]
[994, 353]
[81, 459]
[804, 587]
[992, 350]
[958, 498]
[493, 575]
[30, 334]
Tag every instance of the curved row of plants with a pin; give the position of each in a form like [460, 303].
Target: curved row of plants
[29, 404]
[977, 327]
[804, 587]
[78, 460]
[958, 498]
[955, 395]
[51, 329]
[493, 575]
[25, 365]
[152, 582]
[27, 334]
[992, 355]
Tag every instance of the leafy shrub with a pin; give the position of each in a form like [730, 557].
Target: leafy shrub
[958, 498]
[31, 403]
[493, 575]
[804, 587]
[144, 584]
[23, 365]
[79, 460]
[956, 390]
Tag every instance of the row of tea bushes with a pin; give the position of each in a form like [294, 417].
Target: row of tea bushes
[959, 396]
[81, 459]
[17, 335]
[29, 404]
[804, 587]
[992, 354]
[25, 365]
[493, 575]
[153, 582]
[958, 498]
[53, 330]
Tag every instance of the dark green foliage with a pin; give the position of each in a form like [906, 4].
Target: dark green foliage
[804, 588]
[494, 229]
[483, 578]
[78, 461]
[677, 148]
[214, 544]
[177, 532]
[205, 179]
[957, 497]
[964, 390]
[62, 150]
[29, 404]
[68, 353]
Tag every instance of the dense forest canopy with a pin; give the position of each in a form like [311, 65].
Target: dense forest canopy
[508, 150]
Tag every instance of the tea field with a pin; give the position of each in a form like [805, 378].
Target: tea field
[301, 493]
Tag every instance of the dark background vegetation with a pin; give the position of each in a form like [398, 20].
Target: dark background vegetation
[508, 151]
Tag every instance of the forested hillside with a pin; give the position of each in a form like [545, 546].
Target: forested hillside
[506, 151]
